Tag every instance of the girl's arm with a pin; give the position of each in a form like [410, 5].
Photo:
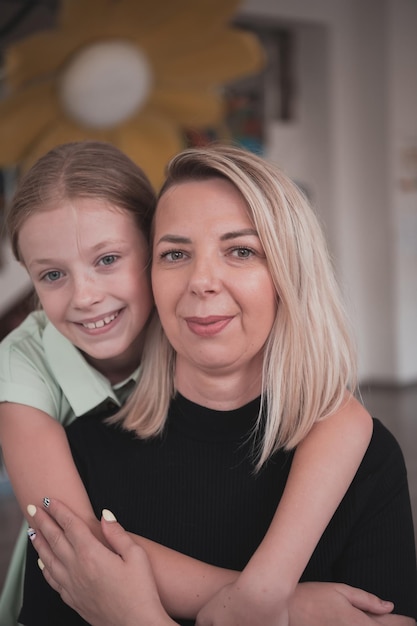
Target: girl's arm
[38, 459]
[39, 462]
[115, 588]
[323, 468]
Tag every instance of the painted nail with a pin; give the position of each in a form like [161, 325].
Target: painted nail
[40, 564]
[31, 533]
[46, 502]
[31, 509]
[108, 515]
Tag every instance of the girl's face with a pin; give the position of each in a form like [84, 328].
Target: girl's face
[88, 262]
[211, 282]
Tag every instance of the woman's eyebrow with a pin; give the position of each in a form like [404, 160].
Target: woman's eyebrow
[239, 233]
[234, 234]
[173, 239]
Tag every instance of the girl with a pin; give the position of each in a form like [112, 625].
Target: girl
[73, 224]
[79, 222]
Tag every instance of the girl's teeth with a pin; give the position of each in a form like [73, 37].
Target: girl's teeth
[100, 323]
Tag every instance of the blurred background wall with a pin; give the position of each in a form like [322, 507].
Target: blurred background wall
[347, 133]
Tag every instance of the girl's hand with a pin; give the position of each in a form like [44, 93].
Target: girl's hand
[337, 604]
[107, 588]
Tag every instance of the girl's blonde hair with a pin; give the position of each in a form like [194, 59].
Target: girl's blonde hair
[309, 358]
[83, 169]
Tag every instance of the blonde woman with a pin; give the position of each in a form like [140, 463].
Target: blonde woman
[257, 361]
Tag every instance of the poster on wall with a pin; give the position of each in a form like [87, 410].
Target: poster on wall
[253, 103]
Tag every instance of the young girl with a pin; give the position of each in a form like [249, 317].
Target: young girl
[79, 223]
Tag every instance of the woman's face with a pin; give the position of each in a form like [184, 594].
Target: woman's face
[211, 282]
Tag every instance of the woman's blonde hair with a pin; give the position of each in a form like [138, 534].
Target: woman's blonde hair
[82, 169]
[309, 358]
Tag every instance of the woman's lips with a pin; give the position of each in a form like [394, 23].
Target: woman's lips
[208, 326]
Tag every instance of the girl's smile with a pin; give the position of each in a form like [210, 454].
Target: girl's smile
[88, 263]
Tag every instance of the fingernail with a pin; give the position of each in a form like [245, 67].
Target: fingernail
[108, 515]
[40, 564]
[46, 502]
[31, 509]
[31, 533]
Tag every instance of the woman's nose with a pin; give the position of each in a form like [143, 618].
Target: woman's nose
[205, 276]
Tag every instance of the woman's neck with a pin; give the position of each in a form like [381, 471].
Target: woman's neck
[219, 391]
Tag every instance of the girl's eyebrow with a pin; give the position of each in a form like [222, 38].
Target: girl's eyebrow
[232, 235]
[41, 262]
[96, 248]
[109, 243]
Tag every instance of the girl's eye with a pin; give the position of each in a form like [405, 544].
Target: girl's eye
[172, 256]
[52, 276]
[109, 259]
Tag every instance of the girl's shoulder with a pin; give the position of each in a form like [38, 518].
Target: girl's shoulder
[29, 332]
[22, 351]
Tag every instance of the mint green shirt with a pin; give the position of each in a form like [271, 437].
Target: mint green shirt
[40, 368]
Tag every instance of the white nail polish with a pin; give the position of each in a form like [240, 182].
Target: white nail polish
[31, 509]
[40, 564]
[108, 515]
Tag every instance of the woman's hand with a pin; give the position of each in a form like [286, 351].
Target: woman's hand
[238, 605]
[106, 588]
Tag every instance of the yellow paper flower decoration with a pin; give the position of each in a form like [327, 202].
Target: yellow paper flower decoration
[131, 72]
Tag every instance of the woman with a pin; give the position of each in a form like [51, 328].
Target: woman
[247, 299]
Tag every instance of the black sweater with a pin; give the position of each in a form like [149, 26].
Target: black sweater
[195, 490]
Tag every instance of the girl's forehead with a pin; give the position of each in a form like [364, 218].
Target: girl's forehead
[80, 205]
[87, 215]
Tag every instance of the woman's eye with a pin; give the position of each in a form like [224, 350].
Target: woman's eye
[52, 276]
[109, 259]
[242, 253]
[172, 256]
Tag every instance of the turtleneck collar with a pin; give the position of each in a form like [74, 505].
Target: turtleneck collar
[199, 422]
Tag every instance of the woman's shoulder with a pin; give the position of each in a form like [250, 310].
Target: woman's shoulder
[383, 463]
[382, 443]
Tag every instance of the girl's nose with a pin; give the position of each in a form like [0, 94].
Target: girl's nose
[86, 292]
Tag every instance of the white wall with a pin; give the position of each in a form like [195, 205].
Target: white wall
[358, 91]
[402, 80]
